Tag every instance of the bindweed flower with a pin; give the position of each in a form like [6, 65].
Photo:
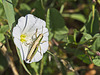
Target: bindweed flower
[25, 34]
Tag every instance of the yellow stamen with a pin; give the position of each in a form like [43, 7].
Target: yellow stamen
[22, 38]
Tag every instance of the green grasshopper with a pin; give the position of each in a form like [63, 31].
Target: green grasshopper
[34, 47]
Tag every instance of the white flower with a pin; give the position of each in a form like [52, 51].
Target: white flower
[25, 33]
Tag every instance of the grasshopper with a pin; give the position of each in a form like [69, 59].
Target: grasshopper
[34, 47]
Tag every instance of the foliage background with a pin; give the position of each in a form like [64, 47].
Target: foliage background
[74, 37]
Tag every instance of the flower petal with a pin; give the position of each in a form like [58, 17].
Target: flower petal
[45, 32]
[21, 23]
[25, 51]
[39, 23]
[18, 44]
[44, 45]
[16, 32]
[44, 42]
[38, 56]
[30, 22]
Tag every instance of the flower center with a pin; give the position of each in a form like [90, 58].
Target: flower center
[23, 38]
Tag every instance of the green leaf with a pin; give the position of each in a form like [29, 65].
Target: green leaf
[75, 35]
[79, 54]
[15, 2]
[61, 35]
[82, 56]
[55, 20]
[96, 44]
[4, 28]
[85, 37]
[78, 17]
[35, 67]
[96, 35]
[2, 37]
[92, 25]
[24, 6]
[39, 10]
[91, 53]
[18, 52]
[8, 7]
[2, 13]
[56, 25]
[96, 60]
[70, 39]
